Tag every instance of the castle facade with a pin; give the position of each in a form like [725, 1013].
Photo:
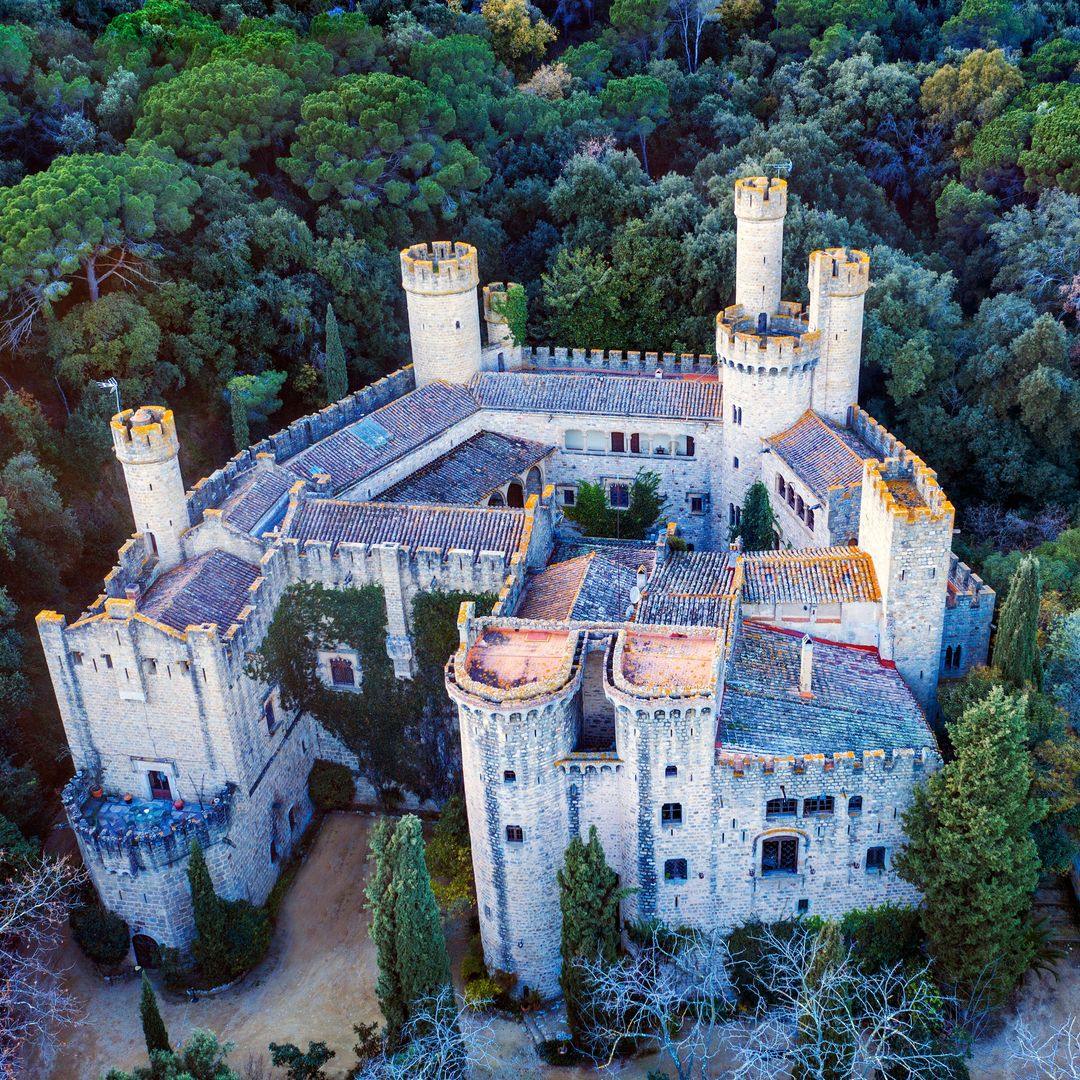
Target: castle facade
[743, 728]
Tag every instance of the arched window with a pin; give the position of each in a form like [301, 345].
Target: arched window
[496, 499]
[595, 440]
[781, 807]
[956, 656]
[780, 855]
[810, 519]
[948, 656]
[618, 442]
[515, 495]
[781, 486]
[799, 505]
[854, 805]
[574, 440]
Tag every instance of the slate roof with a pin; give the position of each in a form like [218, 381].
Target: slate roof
[212, 588]
[589, 588]
[470, 472]
[383, 436]
[256, 495]
[627, 553]
[822, 455]
[837, 575]
[690, 588]
[859, 702]
[605, 395]
[472, 529]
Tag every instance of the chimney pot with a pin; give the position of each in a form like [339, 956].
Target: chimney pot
[132, 592]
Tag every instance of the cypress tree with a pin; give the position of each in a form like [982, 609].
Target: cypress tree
[238, 415]
[971, 852]
[589, 896]
[336, 374]
[757, 522]
[1016, 650]
[210, 914]
[154, 1031]
[405, 925]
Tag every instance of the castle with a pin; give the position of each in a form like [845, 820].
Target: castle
[743, 729]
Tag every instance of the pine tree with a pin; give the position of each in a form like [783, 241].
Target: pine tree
[971, 853]
[154, 1031]
[336, 373]
[405, 926]
[757, 522]
[589, 896]
[1016, 650]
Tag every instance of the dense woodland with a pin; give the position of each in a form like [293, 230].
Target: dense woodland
[190, 189]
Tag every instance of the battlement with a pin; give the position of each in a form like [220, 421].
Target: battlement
[839, 272]
[145, 436]
[760, 198]
[905, 487]
[442, 266]
[494, 296]
[867, 762]
[966, 588]
[786, 342]
[543, 358]
[882, 441]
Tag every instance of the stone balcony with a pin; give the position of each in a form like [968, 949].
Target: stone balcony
[142, 834]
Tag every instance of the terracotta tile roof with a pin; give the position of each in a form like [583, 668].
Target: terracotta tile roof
[470, 472]
[858, 701]
[442, 527]
[822, 455]
[627, 553]
[256, 496]
[381, 437]
[837, 575]
[606, 395]
[692, 588]
[589, 588]
[212, 588]
[664, 661]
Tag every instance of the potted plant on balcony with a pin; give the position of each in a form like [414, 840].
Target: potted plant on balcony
[178, 804]
[94, 778]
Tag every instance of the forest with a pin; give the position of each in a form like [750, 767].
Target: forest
[203, 201]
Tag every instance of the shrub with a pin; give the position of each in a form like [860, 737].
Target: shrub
[751, 957]
[331, 786]
[481, 993]
[100, 933]
[506, 982]
[882, 937]
[473, 968]
[247, 936]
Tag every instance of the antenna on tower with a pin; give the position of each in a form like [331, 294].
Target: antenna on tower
[780, 168]
[110, 384]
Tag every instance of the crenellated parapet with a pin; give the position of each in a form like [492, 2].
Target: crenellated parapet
[785, 343]
[145, 436]
[442, 266]
[839, 272]
[913, 762]
[906, 488]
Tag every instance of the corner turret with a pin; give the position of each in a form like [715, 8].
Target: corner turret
[760, 207]
[147, 447]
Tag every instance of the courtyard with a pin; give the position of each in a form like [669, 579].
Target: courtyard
[319, 979]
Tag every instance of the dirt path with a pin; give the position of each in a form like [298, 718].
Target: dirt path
[317, 982]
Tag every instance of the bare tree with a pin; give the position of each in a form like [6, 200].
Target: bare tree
[690, 17]
[670, 994]
[34, 905]
[442, 1040]
[818, 1014]
[1045, 1057]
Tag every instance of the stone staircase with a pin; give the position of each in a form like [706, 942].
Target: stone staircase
[1055, 902]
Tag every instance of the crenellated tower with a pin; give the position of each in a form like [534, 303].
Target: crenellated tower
[760, 207]
[502, 353]
[838, 280]
[440, 281]
[147, 447]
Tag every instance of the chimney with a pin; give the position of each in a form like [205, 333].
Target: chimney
[734, 551]
[642, 578]
[132, 592]
[806, 667]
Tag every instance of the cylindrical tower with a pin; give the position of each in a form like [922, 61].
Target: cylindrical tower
[147, 447]
[839, 278]
[768, 375]
[760, 206]
[505, 355]
[440, 282]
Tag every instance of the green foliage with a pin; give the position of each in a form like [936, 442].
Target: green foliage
[481, 993]
[749, 947]
[154, 1031]
[16, 850]
[252, 399]
[331, 786]
[301, 1064]
[202, 1057]
[100, 933]
[589, 897]
[971, 853]
[637, 105]
[757, 524]
[513, 307]
[593, 514]
[884, 937]
[336, 373]
[1016, 649]
[232, 936]
[449, 857]
[1053, 160]
[405, 924]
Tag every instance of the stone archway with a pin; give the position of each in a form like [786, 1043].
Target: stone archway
[515, 495]
[496, 499]
[534, 482]
[147, 951]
